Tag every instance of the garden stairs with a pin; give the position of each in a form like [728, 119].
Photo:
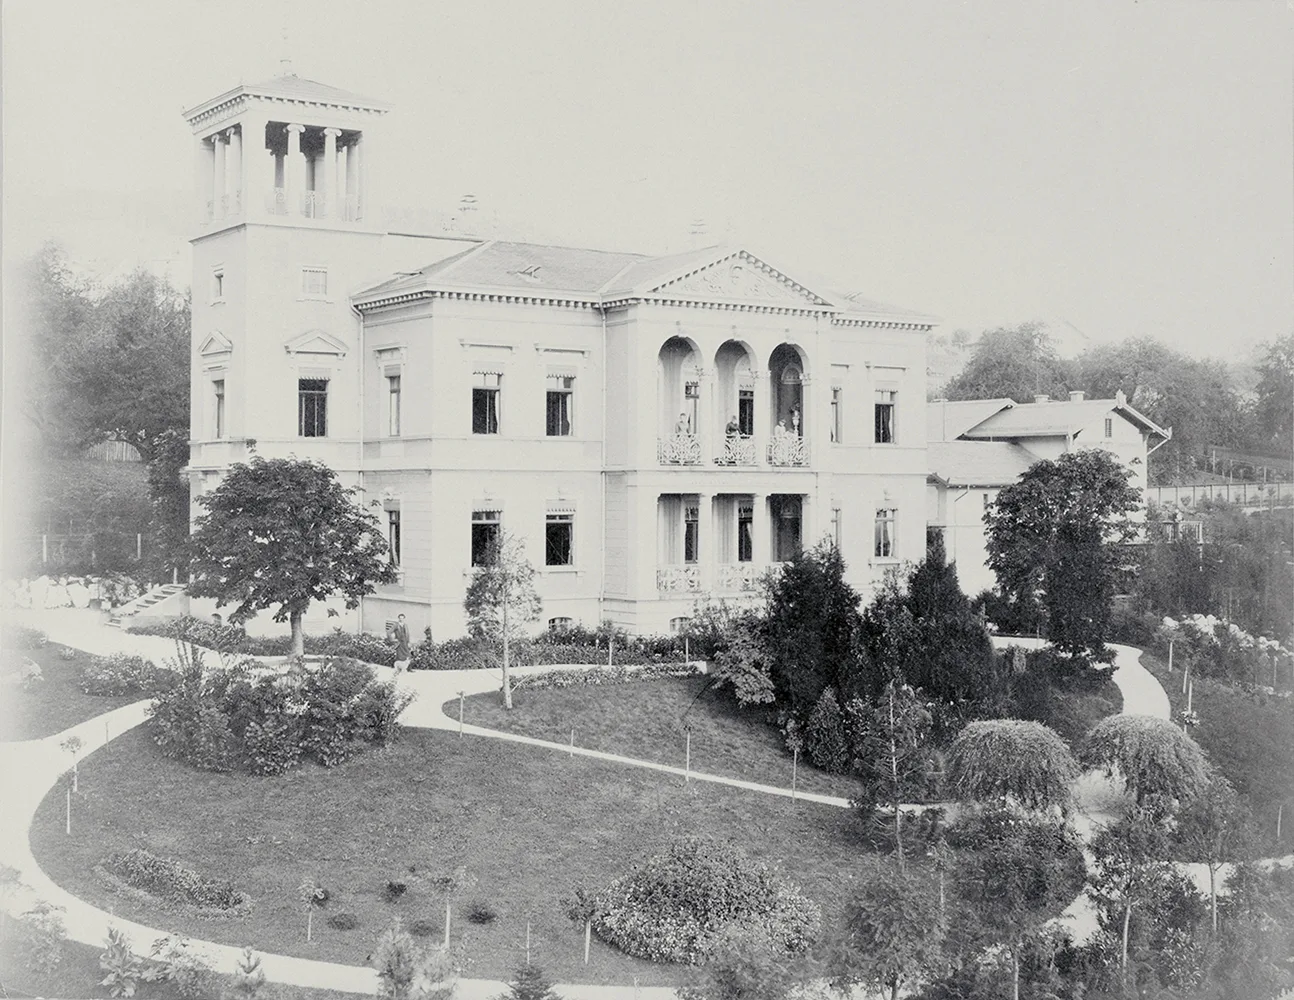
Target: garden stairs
[145, 602]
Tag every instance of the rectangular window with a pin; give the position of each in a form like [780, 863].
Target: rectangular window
[885, 416]
[746, 411]
[988, 499]
[393, 534]
[314, 281]
[1109, 428]
[692, 406]
[486, 525]
[835, 415]
[560, 392]
[393, 405]
[691, 534]
[485, 404]
[885, 547]
[312, 407]
[559, 539]
[835, 526]
[745, 532]
[218, 284]
[218, 416]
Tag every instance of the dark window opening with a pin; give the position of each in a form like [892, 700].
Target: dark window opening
[393, 534]
[885, 417]
[485, 405]
[745, 533]
[558, 538]
[312, 407]
[691, 534]
[746, 412]
[560, 391]
[486, 525]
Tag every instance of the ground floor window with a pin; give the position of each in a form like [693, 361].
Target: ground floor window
[786, 512]
[691, 533]
[312, 407]
[559, 540]
[393, 534]
[486, 527]
[745, 532]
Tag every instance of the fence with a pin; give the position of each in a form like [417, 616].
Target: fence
[107, 551]
[1245, 494]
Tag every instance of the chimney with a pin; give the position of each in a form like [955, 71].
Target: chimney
[1076, 396]
[1041, 398]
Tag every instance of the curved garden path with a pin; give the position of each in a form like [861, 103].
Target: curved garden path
[29, 769]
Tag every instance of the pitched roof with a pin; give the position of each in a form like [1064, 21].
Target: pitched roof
[600, 276]
[1057, 417]
[948, 420]
[977, 463]
[299, 89]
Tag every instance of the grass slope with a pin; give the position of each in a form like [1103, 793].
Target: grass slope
[650, 720]
[53, 704]
[526, 824]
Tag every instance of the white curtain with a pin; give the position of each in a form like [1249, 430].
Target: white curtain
[669, 529]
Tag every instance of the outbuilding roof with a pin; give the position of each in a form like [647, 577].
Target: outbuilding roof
[977, 463]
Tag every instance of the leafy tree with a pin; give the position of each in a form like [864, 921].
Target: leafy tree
[743, 664]
[1053, 540]
[501, 600]
[890, 751]
[168, 492]
[1016, 873]
[1129, 871]
[283, 532]
[406, 971]
[1214, 828]
[809, 630]
[894, 932]
[824, 734]
[992, 761]
[1013, 363]
[1157, 762]
[744, 964]
[1273, 423]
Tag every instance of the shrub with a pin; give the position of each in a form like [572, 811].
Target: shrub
[481, 913]
[172, 962]
[595, 676]
[423, 928]
[529, 983]
[343, 921]
[824, 735]
[1004, 758]
[22, 637]
[247, 980]
[1155, 759]
[44, 932]
[120, 674]
[392, 891]
[170, 880]
[405, 970]
[670, 908]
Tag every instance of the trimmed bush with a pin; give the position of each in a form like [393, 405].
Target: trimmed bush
[824, 735]
[1155, 759]
[119, 675]
[1004, 758]
[343, 921]
[169, 880]
[423, 928]
[671, 908]
[481, 913]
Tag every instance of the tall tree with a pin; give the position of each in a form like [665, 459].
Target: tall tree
[1214, 828]
[1273, 424]
[501, 600]
[890, 751]
[1014, 363]
[1129, 871]
[809, 629]
[285, 533]
[1053, 540]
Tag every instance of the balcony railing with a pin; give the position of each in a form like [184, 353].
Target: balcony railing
[679, 449]
[788, 449]
[313, 204]
[736, 578]
[678, 579]
[277, 202]
[738, 449]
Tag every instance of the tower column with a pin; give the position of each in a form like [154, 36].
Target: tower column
[219, 143]
[359, 157]
[331, 200]
[294, 171]
[351, 161]
[205, 175]
[234, 171]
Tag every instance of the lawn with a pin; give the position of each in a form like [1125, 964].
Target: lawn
[78, 975]
[1249, 737]
[525, 824]
[650, 720]
[52, 704]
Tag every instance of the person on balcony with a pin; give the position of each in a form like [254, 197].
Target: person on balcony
[780, 430]
[734, 428]
[683, 426]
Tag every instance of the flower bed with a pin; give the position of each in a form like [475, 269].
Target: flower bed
[146, 878]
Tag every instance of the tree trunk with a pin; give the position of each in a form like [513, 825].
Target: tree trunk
[298, 634]
[894, 778]
[507, 677]
[1015, 974]
[1213, 896]
[894, 988]
[1123, 955]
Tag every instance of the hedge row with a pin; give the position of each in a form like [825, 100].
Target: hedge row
[171, 882]
[616, 674]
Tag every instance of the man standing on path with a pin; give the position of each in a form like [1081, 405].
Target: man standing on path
[401, 636]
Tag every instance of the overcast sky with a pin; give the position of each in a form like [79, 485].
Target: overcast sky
[1125, 167]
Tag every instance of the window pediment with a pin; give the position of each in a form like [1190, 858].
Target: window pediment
[215, 344]
[317, 343]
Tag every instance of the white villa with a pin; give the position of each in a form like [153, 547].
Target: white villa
[657, 429]
[978, 446]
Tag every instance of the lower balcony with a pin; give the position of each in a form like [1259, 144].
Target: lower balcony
[685, 579]
[737, 578]
[679, 449]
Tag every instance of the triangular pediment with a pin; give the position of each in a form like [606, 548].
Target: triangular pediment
[740, 276]
[216, 343]
[317, 342]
